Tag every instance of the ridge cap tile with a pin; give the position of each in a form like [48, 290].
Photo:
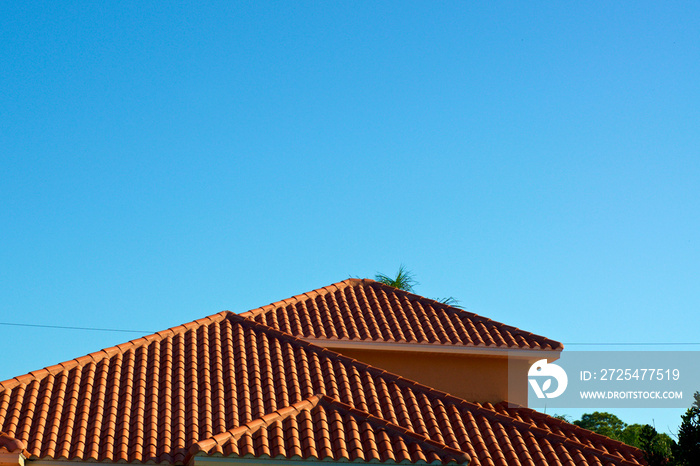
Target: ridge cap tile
[497, 324]
[446, 453]
[562, 439]
[356, 412]
[588, 433]
[531, 340]
[292, 299]
[263, 421]
[463, 312]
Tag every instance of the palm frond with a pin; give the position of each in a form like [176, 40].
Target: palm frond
[450, 301]
[404, 279]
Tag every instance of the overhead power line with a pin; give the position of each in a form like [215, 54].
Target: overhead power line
[61, 327]
[96, 329]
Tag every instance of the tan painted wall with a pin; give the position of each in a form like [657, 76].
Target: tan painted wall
[471, 377]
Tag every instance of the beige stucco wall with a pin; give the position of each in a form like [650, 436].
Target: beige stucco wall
[471, 377]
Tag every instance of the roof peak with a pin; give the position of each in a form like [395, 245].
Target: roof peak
[361, 309]
[308, 295]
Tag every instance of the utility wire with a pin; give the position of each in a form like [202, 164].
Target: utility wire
[61, 327]
[95, 329]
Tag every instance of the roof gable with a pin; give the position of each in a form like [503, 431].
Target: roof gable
[363, 310]
[155, 398]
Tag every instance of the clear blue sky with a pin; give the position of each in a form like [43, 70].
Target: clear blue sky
[164, 161]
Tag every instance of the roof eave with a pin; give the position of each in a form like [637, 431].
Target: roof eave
[205, 460]
[517, 353]
[12, 458]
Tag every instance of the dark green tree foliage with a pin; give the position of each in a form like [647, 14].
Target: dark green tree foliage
[630, 434]
[656, 447]
[687, 451]
[602, 423]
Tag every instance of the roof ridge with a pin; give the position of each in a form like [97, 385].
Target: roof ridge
[314, 401]
[308, 295]
[254, 424]
[538, 340]
[421, 439]
[599, 437]
[108, 352]
[431, 392]
[464, 313]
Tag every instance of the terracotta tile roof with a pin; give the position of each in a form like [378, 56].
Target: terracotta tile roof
[9, 444]
[167, 396]
[322, 428]
[365, 310]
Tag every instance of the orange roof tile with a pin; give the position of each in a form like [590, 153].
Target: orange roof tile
[9, 444]
[226, 380]
[369, 311]
[322, 428]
